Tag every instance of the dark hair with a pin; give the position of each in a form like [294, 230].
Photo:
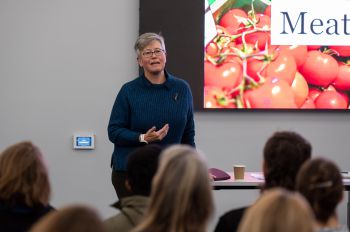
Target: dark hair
[284, 154]
[141, 167]
[320, 181]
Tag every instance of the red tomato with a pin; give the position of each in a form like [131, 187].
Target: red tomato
[342, 93]
[212, 49]
[259, 38]
[345, 96]
[254, 66]
[283, 66]
[308, 104]
[341, 50]
[314, 93]
[226, 75]
[300, 89]
[299, 53]
[342, 80]
[216, 98]
[264, 21]
[319, 68]
[268, 10]
[275, 93]
[233, 19]
[330, 100]
[313, 47]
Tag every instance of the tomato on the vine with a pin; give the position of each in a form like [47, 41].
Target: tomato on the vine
[260, 38]
[233, 19]
[274, 93]
[212, 49]
[263, 21]
[226, 75]
[319, 68]
[277, 63]
[216, 98]
[283, 66]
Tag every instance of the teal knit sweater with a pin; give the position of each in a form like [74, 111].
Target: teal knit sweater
[141, 105]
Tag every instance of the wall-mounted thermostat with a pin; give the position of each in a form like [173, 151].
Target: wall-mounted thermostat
[84, 140]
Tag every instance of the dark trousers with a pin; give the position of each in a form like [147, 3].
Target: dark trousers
[118, 181]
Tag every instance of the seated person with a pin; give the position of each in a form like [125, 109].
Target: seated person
[181, 196]
[278, 210]
[320, 181]
[24, 187]
[283, 155]
[141, 166]
[75, 218]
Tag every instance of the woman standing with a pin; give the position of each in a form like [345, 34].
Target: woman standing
[156, 107]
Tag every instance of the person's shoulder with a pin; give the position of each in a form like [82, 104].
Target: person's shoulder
[133, 83]
[118, 222]
[178, 82]
[130, 86]
[234, 213]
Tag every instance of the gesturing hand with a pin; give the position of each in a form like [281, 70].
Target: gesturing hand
[153, 135]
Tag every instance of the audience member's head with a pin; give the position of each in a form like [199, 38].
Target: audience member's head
[70, 219]
[320, 181]
[284, 154]
[23, 175]
[181, 198]
[141, 167]
[278, 210]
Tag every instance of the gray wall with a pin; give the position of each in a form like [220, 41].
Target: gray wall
[61, 65]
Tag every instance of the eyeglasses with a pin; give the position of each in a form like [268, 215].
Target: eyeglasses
[156, 52]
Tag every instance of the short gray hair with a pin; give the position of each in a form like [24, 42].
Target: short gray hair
[145, 39]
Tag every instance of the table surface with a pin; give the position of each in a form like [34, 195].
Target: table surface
[252, 180]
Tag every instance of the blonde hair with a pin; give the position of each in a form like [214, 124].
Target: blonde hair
[75, 218]
[278, 210]
[23, 175]
[181, 198]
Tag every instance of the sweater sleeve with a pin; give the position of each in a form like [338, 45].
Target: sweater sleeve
[119, 122]
[189, 132]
